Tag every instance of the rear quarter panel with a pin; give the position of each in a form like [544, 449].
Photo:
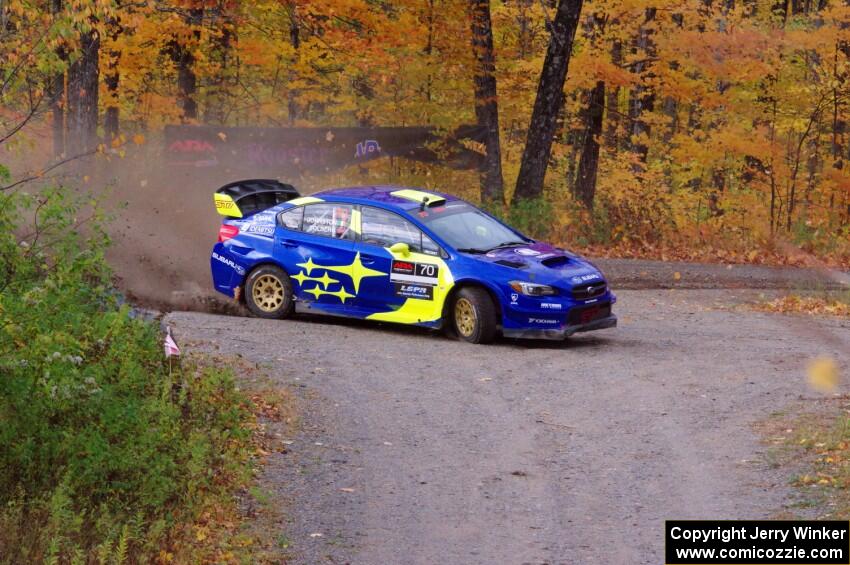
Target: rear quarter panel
[232, 260]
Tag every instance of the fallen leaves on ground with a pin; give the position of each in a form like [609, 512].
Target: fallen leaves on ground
[813, 305]
[771, 253]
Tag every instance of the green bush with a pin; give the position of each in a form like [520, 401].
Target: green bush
[532, 216]
[105, 450]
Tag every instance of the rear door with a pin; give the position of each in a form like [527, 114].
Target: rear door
[315, 243]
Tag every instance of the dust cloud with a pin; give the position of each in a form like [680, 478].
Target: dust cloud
[164, 223]
[164, 226]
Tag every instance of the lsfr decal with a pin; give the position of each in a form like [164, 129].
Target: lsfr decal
[414, 291]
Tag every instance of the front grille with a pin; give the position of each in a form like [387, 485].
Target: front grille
[587, 314]
[588, 291]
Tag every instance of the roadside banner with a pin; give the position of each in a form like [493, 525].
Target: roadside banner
[299, 151]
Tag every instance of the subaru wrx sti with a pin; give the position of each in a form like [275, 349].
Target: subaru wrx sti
[403, 255]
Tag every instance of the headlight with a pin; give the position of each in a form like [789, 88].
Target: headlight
[532, 289]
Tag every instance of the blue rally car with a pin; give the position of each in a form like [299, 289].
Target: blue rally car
[402, 255]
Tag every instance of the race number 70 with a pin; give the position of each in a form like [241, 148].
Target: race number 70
[426, 270]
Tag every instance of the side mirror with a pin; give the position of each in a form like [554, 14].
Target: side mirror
[401, 248]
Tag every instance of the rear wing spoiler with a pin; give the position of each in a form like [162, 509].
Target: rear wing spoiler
[246, 197]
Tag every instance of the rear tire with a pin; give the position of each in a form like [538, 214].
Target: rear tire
[474, 315]
[268, 292]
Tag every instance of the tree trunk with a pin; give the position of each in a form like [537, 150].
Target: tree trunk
[570, 133]
[487, 101]
[718, 182]
[524, 40]
[773, 190]
[295, 41]
[83, 83]
[429, 51]
[185, 63]
[613, 102]
[112, 78]
[585, 187]
[550, 93]
[671, 110]
[217, 106]
[642, 97]
[58, 95]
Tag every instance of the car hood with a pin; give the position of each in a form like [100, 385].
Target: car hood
[544, 263]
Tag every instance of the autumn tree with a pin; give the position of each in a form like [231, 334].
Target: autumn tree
[56, 86]
[585, 186]
[642, 99]
[584, 189]
[112, 77]
[83, 89]
[682, 121]
[182, 54]
[541, 130]
[486, 100]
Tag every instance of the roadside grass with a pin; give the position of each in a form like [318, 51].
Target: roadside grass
[815, 449]
[109, 453]
[242, 524]
[827, 446]
[261, 515]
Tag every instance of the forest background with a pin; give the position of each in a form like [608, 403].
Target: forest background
[701, 129]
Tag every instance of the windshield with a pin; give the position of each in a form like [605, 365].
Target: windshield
[467, 228]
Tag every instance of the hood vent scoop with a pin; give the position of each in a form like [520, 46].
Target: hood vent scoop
[556, 261]
[511, 264]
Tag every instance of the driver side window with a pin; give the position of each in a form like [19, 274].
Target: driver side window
[379, 227]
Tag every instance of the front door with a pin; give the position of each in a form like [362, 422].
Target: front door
[415, 286]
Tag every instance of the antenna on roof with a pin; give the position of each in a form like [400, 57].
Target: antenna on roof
[424, 203]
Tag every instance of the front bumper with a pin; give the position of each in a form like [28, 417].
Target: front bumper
[564, 332]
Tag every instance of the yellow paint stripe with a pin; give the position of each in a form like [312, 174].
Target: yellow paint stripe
[418, 196]
[355, 220]
[417, 310]
[304, 200]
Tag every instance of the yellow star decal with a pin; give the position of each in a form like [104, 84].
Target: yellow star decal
[308, 266]
[341, 293]
[315, 291]
[324, 280]
[356, 270]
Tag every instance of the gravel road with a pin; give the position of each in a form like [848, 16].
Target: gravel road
[644, 274]
[418, 449]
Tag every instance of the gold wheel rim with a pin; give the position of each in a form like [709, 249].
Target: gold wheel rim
[268, 293]
[464, 317]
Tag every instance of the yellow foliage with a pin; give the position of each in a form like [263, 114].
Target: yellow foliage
[742, 109]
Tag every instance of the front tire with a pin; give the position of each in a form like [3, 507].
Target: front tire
[268, 292]
[474, 315]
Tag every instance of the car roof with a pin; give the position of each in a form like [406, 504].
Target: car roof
[391, 196]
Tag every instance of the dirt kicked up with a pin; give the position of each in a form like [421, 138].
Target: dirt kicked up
[419, 449]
